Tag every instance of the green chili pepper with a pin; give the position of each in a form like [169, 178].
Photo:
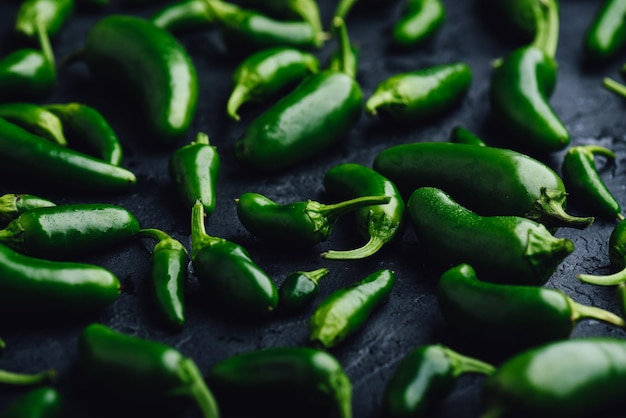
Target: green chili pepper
[617, 256]
[267, 72]
[346, 310]
[518, 17]
[320, 111]
[585, 184]
[573, 378]
[42, 161]
[299, 289]
[169, 277]
[419, 95]
[507, 316]
[44, 402]
[69, 230]
[460, 135]
[378, 223]
[487, 180]
[53, 15]
[424, 378]
[298, 224]
[194, 168]
[307, 10]
[84, 124]
[419, 21]
[226, 270]
[13, 205]
[302, 377]
[25, 379]
[121, 50]
[36, 119]
[606, 35]
[141, 369]
[185, 15]
[507, 249]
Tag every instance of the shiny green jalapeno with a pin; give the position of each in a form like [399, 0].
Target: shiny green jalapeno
[121, 50]
[461, 135]
[140, 369]
[227, 272]
[302, 377]
[508, 316]
[617, 256]
[44, 402]
[505, 249]
[267, 72]
[307, 10]
[195, 168]
[320, 111]
[69, 230]
[421, 94]
[299, 289]
[487, 180]
[186, 15]
[606, 35]
[378, 223]
[585, 184]
[574, 378]
[346, 310]
[419, 21]
[36, 119]
[299, 223]
[424, 377]
[52, 14]
[13, 205]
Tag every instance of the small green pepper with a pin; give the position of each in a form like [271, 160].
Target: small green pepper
[52, 14]
[424, 377]
[606, 35]
[461, 135]
[36, 119]
[617, 256]
[419, 21]
[301, 377]
[307, 10]
[267, 72]
[299, 289]
[44, 402]
[185, 15]
[13, 205]
[346, 310]
[506, 249]
[141, 369]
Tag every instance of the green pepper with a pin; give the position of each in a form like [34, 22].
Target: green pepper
[35, 119]
[617, 256]
[44, 162]
[419, 21]
[487, 180]
[299, 289]
[346, 310]
[267, 72]
[121, 50]
[52, 14]
[606, 35]
[140, 369]
[585, 184]
[307, 10]
[84, 124]
[378, 223]
[505, 249]
[420, 95]
[301, 377]
[44, 402]
[194, 168]
[320, 111]
[510, 317]
[461, 135]
[185, 15]
[424, 377]
[299, 224]
[517, 17]
[13, 205]
[168, 277]
[227, 272]
[573, 378]
[26, 379]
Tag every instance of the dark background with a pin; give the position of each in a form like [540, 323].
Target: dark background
[411, 316]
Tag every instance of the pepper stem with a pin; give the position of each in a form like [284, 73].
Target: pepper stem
[153, 233]
[462, 364]
[580, 311]
[315, 275]
[345, 49]
[380, 97]
[598, 150]
[614, 86]
[10, 378]
[547, 18]
[343, 8]
[372, 246]
[545, 252]
[334, 211]
[240, 94]
[199, 237]
[310, 13]
[608, 280]
[549, 210]
[198, 390]
[201, 139]
[44, 43]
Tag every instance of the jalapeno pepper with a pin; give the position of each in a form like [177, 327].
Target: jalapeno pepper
[421, 94]
[424, 377]
[419, 21]
[378, 223]
[302, 377]
[53, 15]
[14, 204]
[35, 119]
[299, 223]
[617, 256]
[320, 111]
[487, 180]
[606, 34]
[185, 15]
[140, 369]
[194, 168]
[227, 272]
[507, 249]
[517, 17]
[44, 402]
[299, 289]
[346, 310]
[510, 317]
[306, 10]
[461, 135]
[267, 72]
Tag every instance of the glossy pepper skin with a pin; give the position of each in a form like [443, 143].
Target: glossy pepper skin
[419, 21]
[606, 34]
[121, 50]
[617, 256]
[267, 72]
[300, 376]
[44, 402]
[141, 369]
[503, 249]
[379, 224]
[299, 290]
[509, 316]
[69, 230]
[461, 135]
[424, 377]
[13, 205]
[487, 180]
[53, 15]
[346, 310]
[36, 119]
[541, 383]
[194, 169]
[227, 272]
[305, 122]
[182, 16]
